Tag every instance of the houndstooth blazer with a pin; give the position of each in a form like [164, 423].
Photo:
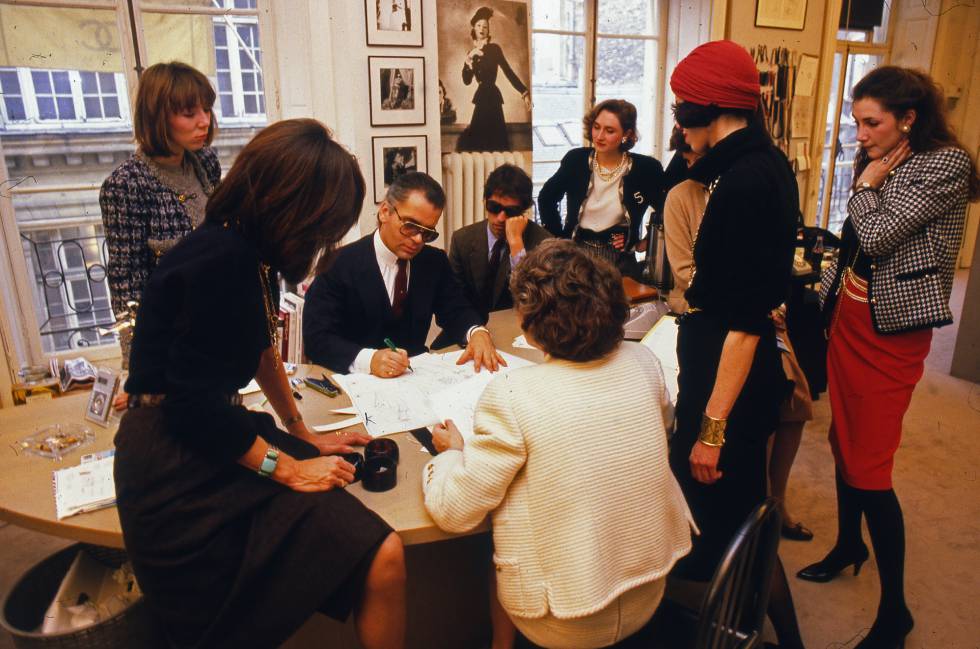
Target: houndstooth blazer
[911, 228]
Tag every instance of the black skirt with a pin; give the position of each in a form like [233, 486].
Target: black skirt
[721, 508]
[225, 557]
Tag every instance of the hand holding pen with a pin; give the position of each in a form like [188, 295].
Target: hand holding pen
[391, 362]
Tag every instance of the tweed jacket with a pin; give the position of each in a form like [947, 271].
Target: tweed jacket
[911, 228]
[469, 257]
[570, 461]
[136, 207]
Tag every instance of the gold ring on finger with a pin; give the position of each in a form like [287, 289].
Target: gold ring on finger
[885, 159]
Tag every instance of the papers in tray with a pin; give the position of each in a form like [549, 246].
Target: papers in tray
[662, 339]
[436, 389]
[86, 487]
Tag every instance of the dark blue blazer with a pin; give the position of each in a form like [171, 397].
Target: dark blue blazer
[347, 308]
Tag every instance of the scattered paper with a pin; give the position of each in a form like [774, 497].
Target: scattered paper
[521, 343]
[337, 425]
[407, 402]
[84, 488]
[253, 386]
[662, 339]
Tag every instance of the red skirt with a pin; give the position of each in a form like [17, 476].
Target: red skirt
[870, 379]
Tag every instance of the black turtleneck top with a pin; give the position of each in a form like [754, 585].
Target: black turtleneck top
[743, 254]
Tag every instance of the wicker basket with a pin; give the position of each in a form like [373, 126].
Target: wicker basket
[23, 609]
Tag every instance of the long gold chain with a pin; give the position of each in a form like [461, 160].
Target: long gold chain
[272, 318]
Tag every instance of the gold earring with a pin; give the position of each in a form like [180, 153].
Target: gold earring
[906, 128]
[624, 140]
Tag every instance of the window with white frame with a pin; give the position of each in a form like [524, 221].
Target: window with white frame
[54, 100]
[585, 51]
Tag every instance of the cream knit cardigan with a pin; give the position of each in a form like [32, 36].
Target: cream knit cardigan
[570, 459]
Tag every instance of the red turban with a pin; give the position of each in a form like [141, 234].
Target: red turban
[720, 73]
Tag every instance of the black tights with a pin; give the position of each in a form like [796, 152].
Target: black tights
[887, 528]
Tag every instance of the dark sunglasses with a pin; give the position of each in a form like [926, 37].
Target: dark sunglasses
[412, 229]
[510, 210]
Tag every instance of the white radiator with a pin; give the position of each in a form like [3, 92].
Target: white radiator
[463, 178]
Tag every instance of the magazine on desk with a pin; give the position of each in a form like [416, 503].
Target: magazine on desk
[86, 487]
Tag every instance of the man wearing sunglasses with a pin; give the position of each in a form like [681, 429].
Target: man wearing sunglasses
[387, 286]
[483, 254]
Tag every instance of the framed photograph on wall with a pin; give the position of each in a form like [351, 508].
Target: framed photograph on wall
[393, 156]
[781, 14]
[397, 86]
[393, 22]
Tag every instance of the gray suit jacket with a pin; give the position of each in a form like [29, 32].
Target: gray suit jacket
[469, 257]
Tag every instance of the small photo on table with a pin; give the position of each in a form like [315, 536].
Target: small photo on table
[394, 156]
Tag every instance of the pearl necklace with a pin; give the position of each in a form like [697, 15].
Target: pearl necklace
[608, 174]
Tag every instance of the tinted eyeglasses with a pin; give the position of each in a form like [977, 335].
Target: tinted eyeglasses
[412, 229]
[510, 210]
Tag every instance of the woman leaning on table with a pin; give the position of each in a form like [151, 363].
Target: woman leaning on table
[731, 381]
[608, 188]
[587, 518]
[889, 287]
[157, 196]
[237, 530]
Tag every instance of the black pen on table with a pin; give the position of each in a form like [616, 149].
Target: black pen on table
[394, 348]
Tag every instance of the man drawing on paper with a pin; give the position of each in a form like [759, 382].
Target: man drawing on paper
[388, 285]
[482, 254]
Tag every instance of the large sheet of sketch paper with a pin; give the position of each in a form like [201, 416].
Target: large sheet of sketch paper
[662, 339]
[436, 389]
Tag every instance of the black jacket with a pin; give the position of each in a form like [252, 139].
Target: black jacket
[347, 308]
[743, 254]
[643, 187]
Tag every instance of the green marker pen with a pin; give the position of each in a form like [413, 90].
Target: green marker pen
[394, 348]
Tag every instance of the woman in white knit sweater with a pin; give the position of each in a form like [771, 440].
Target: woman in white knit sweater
[569, 457]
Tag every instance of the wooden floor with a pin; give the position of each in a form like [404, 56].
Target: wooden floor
[936, 478]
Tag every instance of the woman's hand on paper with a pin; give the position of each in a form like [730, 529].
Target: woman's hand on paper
[482, 351]
[318, 474]
[342, 441]
[446, 436]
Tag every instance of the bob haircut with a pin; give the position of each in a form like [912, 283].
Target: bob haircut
[293, 192]
[572, 304]
[166, 89]
[624, 111]
[900, 90]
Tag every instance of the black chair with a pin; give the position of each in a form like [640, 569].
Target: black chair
[733, 609]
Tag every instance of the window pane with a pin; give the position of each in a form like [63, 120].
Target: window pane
[89, 84]
[248, 82]
[864, 22]
[220, 37]
[559, 98]
[221, 59]
[568, 15]
[110, 106]
[244, 60]
[93, 107]
[45, 108]
[251, 106]
[42, 82]
[9, 83]
[627, 17]
[627, 69]
[108, 82]
[15, 108]
[62, 85]
[224, 82]
[66, 108]
[227, 106]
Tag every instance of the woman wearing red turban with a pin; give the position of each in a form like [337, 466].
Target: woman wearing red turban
[731, 380]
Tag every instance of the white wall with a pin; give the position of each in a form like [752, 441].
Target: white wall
[323, 73]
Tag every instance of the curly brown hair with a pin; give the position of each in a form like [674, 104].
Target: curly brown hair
[570, 303]
[624, 111]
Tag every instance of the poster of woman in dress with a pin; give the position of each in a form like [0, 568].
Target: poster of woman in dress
[481, 43]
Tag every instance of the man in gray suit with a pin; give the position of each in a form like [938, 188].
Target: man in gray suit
[482, 254]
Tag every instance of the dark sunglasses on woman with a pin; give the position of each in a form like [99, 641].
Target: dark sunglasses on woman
[510, 210]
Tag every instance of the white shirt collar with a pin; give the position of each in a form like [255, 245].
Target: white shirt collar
[385, 257]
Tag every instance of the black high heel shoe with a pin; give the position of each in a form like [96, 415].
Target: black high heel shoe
[831, 565]
[888, 631]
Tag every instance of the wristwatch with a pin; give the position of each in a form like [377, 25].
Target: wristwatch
[866, 185]
[269, 462]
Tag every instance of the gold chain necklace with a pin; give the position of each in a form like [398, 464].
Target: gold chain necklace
[608, 174]
[272, 318]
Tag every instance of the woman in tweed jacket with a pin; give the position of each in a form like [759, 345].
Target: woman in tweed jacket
[570, 461]
[157, 196]
[888, 289]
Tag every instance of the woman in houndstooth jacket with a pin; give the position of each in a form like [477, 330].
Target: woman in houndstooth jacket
[888, 289]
